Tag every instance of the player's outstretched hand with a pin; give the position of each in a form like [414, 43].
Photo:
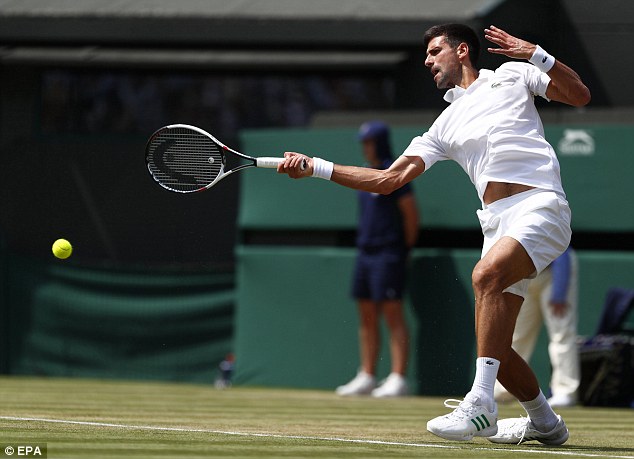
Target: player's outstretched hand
[508, 44]
[293, 165]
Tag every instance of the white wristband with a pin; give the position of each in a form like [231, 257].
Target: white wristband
[322, 168]
[542, 60]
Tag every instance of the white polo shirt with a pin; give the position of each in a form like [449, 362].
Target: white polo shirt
[492, 129]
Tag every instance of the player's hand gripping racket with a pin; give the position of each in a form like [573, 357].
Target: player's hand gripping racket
[185, 159]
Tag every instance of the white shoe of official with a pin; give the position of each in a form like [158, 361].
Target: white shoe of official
[394, 385]
[362, 384]
[562, 400]
[520, 430]
[468, 419]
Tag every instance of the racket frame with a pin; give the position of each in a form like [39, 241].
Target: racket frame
[265, 162]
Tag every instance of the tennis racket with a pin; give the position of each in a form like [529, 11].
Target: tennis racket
[187, 159]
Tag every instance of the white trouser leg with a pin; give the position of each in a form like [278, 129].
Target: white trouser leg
[562, 333]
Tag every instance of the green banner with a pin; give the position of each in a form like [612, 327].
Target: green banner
[297, 325]
[66, 320]
[596, 168]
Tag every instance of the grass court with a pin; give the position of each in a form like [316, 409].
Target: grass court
[79, 418]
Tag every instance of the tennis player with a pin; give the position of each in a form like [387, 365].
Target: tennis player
[492, 129]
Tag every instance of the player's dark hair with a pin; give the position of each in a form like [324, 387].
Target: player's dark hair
[456, 34]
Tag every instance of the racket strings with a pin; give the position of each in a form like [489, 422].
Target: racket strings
[184, 160]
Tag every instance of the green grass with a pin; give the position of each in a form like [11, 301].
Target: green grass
[161, 420]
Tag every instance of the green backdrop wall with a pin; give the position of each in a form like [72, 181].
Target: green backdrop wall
[61, 319]
[296, 325]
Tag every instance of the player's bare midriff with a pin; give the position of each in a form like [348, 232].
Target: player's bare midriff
[501, 190]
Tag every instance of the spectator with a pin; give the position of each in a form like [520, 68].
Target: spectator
[387, 229]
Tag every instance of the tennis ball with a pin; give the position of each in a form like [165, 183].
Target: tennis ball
[62, 249]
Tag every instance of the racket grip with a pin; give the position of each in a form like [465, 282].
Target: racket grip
[272, 163]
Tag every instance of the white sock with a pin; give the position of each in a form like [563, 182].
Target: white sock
[541, 413]
[486, 374]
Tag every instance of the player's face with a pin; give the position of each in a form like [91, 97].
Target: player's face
[443, 63]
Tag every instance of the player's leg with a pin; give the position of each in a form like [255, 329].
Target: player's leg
[530, 319]
[522, 234]
[504, 264]
[542, 224]
[514, 373]
[527, 327]
[494, 316]
[542, 423]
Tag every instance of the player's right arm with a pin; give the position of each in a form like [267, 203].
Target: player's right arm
[403, 170]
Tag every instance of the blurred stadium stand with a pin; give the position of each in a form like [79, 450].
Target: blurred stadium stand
[83, 83]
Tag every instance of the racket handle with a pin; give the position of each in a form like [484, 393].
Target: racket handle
[272, 163]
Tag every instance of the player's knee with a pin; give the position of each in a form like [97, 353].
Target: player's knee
[486, 278]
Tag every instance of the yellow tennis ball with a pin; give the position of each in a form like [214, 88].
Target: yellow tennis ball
[62, 249]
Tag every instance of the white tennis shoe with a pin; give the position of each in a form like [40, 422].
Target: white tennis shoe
[362, 384]
[520, 430]
[469, 419]
[394, 385]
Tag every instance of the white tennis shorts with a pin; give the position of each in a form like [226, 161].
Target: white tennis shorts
[537, 219]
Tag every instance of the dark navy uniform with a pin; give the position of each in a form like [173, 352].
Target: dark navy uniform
[381, 262]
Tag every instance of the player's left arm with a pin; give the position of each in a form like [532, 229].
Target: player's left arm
[565, 84]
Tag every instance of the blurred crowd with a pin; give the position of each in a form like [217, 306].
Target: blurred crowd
[110, 102]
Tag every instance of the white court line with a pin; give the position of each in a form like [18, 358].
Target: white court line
[301, 437]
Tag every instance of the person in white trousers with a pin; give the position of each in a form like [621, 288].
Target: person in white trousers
[552, 299]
